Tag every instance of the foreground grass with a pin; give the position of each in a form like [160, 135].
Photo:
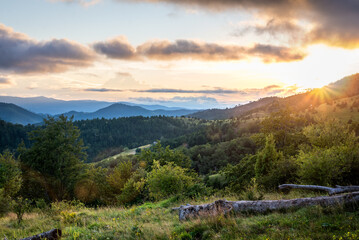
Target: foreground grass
[156, 221]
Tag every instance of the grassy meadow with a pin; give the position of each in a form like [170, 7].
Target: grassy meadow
[157, 221]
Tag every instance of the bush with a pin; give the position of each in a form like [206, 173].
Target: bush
[167, 180]
[132, 191]
[121, 174]
[332, 157]
[334, 166]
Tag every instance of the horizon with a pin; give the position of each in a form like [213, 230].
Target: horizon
[193, 53]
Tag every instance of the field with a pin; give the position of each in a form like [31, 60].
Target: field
[157, 221]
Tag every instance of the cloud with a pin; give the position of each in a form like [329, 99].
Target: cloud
[270, 90]
[20, 54]
[102, 90]
[200, 102]
[5, 81]
[269, 53]
[336, 23]
[85, 3]
[205, 91]
[216, 5]
[122, 79]
[119, 48]
[276, 28]
[332, 22]
[166, 50]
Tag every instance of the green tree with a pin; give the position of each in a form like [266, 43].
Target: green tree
[286, 130]
[10, 180]
[271, 167]
[56, 156]
[164, 156]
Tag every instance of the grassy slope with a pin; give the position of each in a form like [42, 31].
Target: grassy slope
[156, 221]
[334, 109]
[127, 152]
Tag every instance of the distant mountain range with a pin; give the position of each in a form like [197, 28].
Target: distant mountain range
[12, 113]
[87, 109]
[44, 105]
[117, 110]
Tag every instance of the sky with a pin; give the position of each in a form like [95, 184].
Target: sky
[197, 53]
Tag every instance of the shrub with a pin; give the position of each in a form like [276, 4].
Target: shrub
[167, 180]
[121, 174]
[133, 188]
[333, 156]
[329, 167]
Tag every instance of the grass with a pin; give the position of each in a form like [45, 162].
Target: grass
[125, 153]
[339, 109]
[157, 221]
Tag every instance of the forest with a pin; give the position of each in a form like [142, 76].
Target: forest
[57, 168]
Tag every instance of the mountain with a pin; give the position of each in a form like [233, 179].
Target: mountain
[14, 114]
[117, 110]
[218, 114]
[152, 107]
[53, 106]
[343, 88]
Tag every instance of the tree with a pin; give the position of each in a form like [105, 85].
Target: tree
[164, 156]
[55, 157]
[286, 130]
[271, 167]
[10, 180]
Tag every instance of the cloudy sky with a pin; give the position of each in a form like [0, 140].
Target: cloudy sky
[204, 53]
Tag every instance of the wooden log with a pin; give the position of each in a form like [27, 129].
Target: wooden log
[53, 234]
[331, 191]
[263, 206]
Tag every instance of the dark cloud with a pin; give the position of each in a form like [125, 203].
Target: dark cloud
[20, 54]
[102, 90]
[220, 5]
[336, 23]
[266, 91]
[269, 53]
[166, 50]
[332, 22]
[189, 49]
[118, 48]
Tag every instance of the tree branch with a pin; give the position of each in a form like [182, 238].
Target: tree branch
[332, 191]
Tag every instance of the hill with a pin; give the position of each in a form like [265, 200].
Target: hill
[14, 114]
[343, 88]
[117, 110]
[220, 114]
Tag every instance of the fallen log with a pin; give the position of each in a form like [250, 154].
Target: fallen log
[53, 234]
[331, 191]
[223, 206]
